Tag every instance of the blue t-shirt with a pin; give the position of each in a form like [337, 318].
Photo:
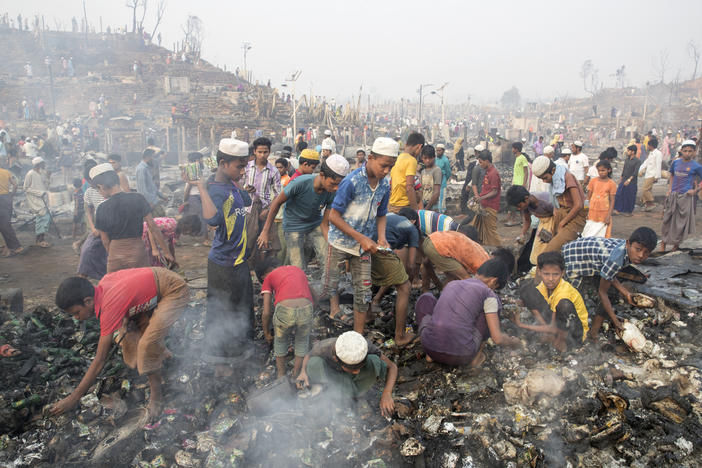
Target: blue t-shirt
[303, 210]
[229, 243]
[359, 205]
[684, 174]
[400, 232]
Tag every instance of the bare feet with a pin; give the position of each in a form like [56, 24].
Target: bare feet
[405, 339]
[154, 409]
[479, 359]
[429, 359]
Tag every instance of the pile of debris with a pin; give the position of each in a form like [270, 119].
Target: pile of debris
[602, 404]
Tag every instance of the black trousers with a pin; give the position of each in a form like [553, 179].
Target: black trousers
[8, 233]
[229, 322]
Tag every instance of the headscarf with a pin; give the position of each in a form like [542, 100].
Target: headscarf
[458, 145]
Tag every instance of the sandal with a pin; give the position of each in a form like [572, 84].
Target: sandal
[8, 351]
[43, 244]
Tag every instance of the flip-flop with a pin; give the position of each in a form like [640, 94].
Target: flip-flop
[8, 351]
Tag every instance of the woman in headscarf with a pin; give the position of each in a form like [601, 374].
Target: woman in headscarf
[459, 155]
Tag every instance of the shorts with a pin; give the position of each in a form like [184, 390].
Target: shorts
[287, 320]
[360, 276]
[439, 261]
[387, 269]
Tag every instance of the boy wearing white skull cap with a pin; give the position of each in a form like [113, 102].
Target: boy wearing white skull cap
[351, 365]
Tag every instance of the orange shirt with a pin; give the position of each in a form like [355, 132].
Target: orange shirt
[600, 190]
[455, 245]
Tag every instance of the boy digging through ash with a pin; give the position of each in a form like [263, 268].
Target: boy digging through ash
[555, 303]
[293, 310]
[143, 304]
[350, 365]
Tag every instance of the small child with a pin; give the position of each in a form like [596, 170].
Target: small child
[293, 310]
[558, 301]
[601, 192]
[78, 207]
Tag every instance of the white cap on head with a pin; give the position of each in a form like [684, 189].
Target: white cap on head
[327, 132]
[101, 169]
[233, 147]
[549, 149]
[385, 146]
[37, 160]
[360, 148]
[479, 148]
[326, 145]
[441, 145]
[578, 143]
[688, 143]
[523, 140]
[540, 165]
[338, 164]
[351, 348]
[566, 151]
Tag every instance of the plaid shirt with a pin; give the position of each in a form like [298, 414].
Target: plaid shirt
[590, 256]
[266, 182]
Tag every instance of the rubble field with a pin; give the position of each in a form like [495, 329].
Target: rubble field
[602, 404]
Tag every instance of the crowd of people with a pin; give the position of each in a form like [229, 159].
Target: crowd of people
[383, 220]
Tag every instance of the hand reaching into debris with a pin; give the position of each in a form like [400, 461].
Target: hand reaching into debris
[302, 380]
[64, 405]
[387, 405]
[262, 241]
[268, 335]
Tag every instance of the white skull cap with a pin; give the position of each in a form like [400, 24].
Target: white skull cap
[351, 348]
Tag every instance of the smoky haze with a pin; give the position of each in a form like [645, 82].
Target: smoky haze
[390, 47]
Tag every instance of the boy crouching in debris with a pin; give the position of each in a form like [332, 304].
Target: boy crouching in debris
[143, 304]
[605, 257]
[293, 310]
[351, 365]
[556, 304]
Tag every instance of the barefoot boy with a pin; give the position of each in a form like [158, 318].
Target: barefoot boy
[293, 310]
[143, 304]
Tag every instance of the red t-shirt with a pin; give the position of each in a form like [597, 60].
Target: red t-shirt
[287, 282]
[491, 181]
[122, 293]
[296, 174]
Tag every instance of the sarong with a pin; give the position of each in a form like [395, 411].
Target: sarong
[126, 253]
[144, 347]
[678, 218]
[486, 224]
[625, 198]
[93, 258]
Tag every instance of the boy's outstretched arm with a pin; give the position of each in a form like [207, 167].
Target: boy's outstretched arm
[387, 404]
[103, 348]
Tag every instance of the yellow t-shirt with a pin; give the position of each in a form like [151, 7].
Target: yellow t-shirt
[406, 165]
[565, 290]
[5, 177]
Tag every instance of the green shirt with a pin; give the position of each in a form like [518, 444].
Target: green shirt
[520, 166]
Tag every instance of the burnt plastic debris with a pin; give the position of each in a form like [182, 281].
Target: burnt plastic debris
[590, 405]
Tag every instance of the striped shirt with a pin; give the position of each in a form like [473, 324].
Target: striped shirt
[266, 182]
[432, 221]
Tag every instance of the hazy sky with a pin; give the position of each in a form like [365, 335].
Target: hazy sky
[481, 48]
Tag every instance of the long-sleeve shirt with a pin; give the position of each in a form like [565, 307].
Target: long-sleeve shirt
[36, 185]
[651, 167]
[266, 182]
[145, 183]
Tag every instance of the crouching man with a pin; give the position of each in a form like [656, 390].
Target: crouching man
[350, 365]
[143, 304]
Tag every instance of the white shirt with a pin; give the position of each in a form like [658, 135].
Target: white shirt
[30, 149]
[331, 142]
[651, 167]
[562, 162]
[592, 172]
[577, 165]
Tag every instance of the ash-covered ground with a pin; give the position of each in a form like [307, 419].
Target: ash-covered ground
[600, 405]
